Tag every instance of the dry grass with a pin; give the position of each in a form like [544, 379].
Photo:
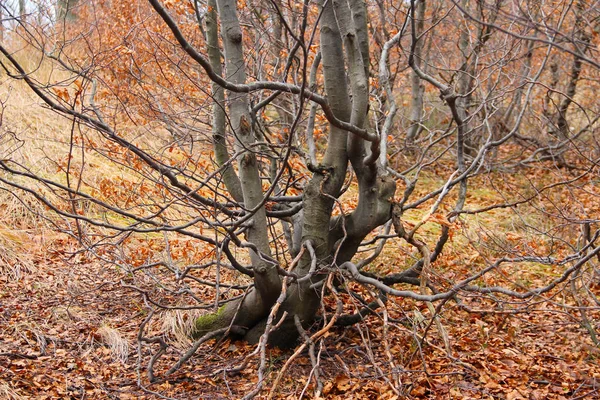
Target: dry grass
[119, 347]
[28, 134]
[30, 332]
[39, 140]
[14, 259]
[179, 325]
[36, 139]
[6, 392]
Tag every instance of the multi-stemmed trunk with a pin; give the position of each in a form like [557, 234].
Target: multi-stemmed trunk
[332, 240]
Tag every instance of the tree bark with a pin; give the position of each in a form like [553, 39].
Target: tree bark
[417, 88]
[22, 12]
[467, 71]
[65, 10]
[344, 50]
[581, 43]
[267, 284]
[1, 24]
[230, 178]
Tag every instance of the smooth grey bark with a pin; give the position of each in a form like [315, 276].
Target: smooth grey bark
[581, 42]
[344, 51]
[357, 74]
[329, 176]
[321, 191]
[283, 104]
[324, 187]
[1, 24]
[342, 28]
[416, 86]
[392, 107]
[467, 71]
[267, 284]
[375, 188]
[65, 10]
[245, 140]
[22, 12]
[310, 123]
[465, 82]
[219, 127]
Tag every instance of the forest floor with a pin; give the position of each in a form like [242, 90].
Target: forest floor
[68, 329]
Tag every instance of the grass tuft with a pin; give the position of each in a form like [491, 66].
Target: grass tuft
[180, 325]
[6, 392]
[15, 261]
[119, 346]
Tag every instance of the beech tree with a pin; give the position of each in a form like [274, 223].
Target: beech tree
[340, 131]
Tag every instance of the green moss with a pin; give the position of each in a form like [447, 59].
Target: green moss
[206, 322]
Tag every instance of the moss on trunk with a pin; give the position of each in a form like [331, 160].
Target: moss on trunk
[208, 322]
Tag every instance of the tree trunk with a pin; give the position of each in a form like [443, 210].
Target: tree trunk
[581, 44]
[324, 187]
[343, 27]
[219, 127]
[1, 24]
[65, 10]
[267, 284]
[22, 12]
[417, 88]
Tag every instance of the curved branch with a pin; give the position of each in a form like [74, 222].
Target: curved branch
[260, 85]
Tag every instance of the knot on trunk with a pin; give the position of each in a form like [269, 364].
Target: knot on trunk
[234, 35]
[245, 126]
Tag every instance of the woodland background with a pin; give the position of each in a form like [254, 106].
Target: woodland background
[95, 304]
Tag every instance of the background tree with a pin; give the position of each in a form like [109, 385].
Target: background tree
[65, 10]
